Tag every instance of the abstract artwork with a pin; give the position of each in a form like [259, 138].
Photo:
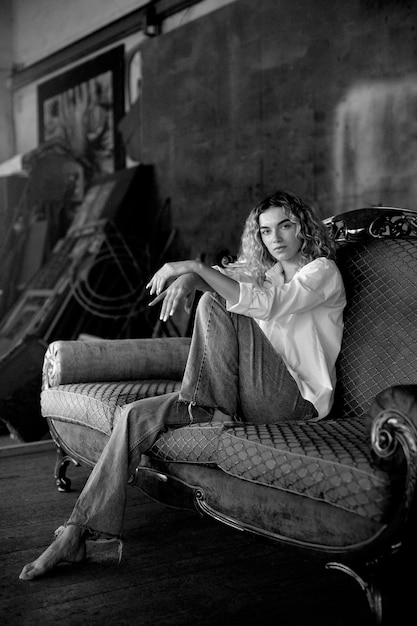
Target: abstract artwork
[83, 106]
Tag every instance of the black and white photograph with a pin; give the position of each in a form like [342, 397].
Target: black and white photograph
[208, 312]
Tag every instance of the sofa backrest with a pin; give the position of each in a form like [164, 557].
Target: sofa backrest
[380, 339]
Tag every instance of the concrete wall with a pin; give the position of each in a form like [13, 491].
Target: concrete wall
[6, 60]
[318, 97]
[238, 100]
[42, 27]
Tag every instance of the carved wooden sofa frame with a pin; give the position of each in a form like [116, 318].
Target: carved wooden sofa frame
[344, 487]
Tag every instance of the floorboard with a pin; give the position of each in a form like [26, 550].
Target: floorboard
[177, 568]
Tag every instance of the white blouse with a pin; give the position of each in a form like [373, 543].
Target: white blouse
[303, 320]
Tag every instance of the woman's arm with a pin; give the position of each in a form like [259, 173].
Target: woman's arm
[317, 283]
[190, 276]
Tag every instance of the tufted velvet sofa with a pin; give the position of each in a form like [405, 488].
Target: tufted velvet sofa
[343, 487]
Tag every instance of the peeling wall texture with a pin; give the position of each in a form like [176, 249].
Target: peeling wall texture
[376, 143]
[316, 97]
[42, 27]
[6, 59]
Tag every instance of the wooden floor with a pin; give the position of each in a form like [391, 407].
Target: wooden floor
[177, 568]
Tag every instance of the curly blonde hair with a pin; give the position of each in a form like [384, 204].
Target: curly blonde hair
[316, 241]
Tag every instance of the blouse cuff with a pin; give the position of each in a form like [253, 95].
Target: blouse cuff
[245, 299]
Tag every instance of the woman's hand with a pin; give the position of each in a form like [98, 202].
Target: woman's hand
[167, 272]
[194, 275]
[182, 289]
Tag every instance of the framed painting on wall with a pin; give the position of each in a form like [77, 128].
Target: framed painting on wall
[83, 107]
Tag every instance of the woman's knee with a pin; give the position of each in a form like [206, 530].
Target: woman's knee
[210, 300]
[206, 299]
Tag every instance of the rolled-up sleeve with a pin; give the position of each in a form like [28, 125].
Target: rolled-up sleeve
[315, 284]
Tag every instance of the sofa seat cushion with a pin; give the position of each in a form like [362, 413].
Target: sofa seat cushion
[277, 514]
[197, 443]
[98, 405]
[330, 462]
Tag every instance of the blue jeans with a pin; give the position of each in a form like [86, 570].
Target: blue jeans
[231, 366]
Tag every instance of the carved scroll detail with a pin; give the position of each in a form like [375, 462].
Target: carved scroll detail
[392, 428]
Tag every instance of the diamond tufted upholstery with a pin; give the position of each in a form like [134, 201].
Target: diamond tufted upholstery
[380, 335]
[98, 405]
[333, 463]
[341, 484]
[335, 467]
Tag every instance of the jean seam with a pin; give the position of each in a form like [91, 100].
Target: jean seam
[203, 358]
[137, 442]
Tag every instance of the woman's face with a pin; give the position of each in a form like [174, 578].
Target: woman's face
[279, 235]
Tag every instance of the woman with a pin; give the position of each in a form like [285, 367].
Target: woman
[264, 347]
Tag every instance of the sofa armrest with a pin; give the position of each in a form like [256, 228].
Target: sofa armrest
[116, 359]
[394, 439]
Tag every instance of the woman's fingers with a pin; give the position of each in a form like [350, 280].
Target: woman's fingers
[156, 284]
[172, 296]
[168, 272]
[151, 286]
[170, 302]
[157, 299]
[169, 305]
[159, 279]
[167, 308]
[166, 305]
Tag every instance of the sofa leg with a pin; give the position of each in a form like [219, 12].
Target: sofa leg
[370, 586]
[63, 460]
